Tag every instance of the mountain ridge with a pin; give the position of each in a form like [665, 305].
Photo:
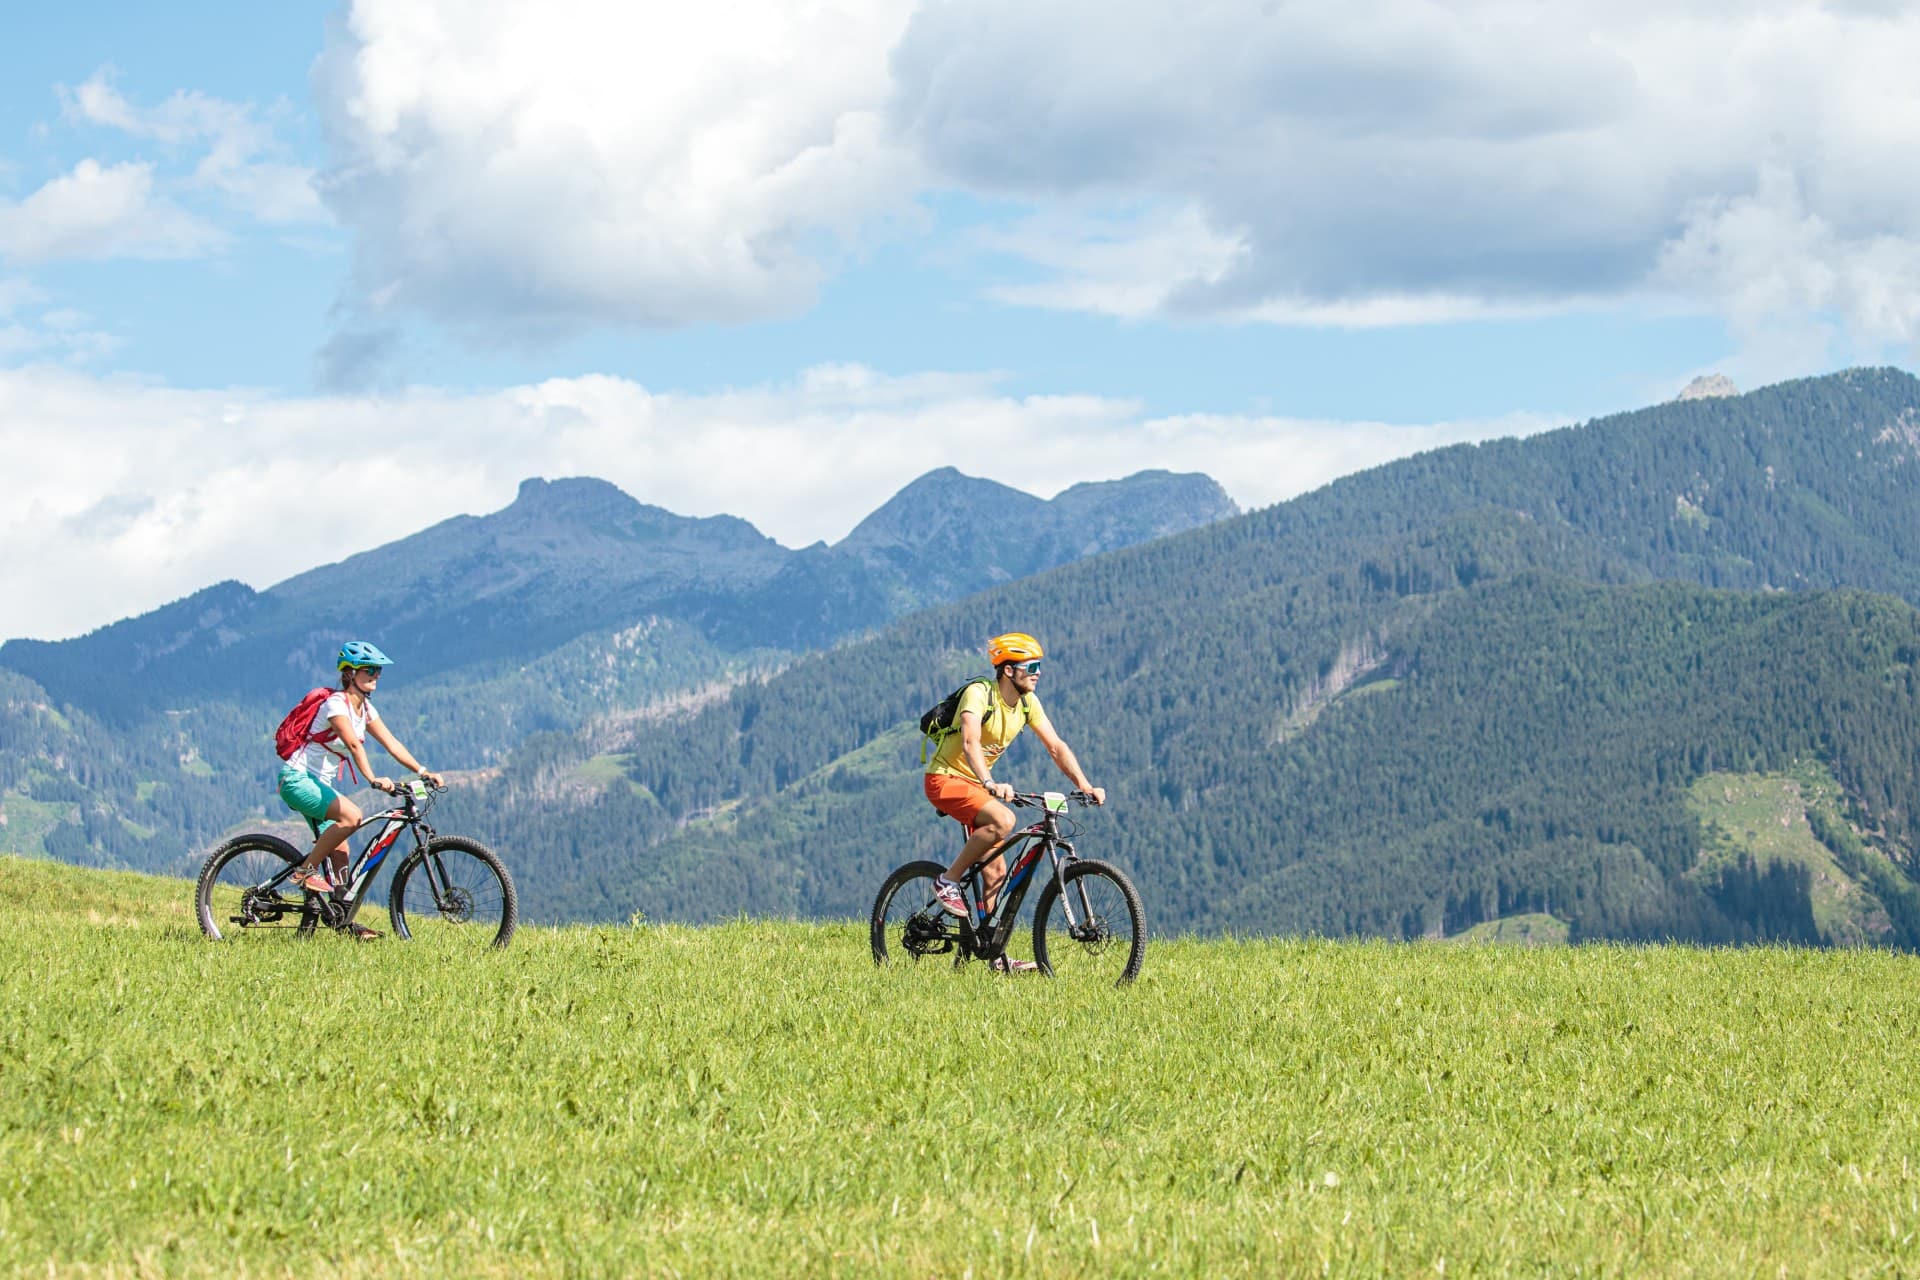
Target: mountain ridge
[573, 603]
[1559, 636]
[565, 558]
[1174, 660]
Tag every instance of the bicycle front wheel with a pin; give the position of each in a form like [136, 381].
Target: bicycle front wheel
[907, 923]
[454, 894]
[236, 895]
[1096, 930]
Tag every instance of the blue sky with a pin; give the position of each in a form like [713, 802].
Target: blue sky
[778, 261]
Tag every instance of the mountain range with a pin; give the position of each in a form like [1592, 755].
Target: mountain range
[572, 557]
[140, 740]
[1656, 675]
[1429, 696]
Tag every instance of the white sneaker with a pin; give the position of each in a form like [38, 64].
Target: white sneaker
[951, 900]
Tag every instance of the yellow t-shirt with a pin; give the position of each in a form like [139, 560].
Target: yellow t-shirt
[999, 725]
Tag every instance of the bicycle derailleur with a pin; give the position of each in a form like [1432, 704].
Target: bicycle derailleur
[925, 936]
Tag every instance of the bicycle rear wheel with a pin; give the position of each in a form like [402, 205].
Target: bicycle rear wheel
[232, 898]
[454, 894]
[1098, 932]
[907, 924]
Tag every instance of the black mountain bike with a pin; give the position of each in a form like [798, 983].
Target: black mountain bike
[1088, 920]
[449, 891]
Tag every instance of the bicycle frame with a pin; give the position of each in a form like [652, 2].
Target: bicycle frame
[403, 816]
[985, 933]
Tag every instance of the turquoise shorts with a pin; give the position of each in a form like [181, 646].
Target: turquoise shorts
[307, 796]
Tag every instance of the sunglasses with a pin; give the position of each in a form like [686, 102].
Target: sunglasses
[1031, 668]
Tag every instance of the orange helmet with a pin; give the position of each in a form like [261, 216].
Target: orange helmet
[1015, 646]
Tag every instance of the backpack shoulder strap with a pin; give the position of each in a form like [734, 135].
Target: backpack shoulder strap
[993, 703]
[317, 697]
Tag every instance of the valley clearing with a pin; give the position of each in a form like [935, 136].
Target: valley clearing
[757, 1099]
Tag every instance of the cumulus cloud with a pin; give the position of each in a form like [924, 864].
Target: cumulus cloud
[1767, 254]
[242, 159]
[1386, 161]
[520, 169]
[359, 360]
[112, 526]
[101, 211]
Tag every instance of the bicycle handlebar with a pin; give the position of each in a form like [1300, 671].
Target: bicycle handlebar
[1028, 799]
[410, 783]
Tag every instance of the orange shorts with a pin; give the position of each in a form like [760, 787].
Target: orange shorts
[959, 798]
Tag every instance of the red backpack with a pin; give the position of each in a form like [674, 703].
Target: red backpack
[292, 734]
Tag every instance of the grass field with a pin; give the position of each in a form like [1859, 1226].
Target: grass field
[757, 1099]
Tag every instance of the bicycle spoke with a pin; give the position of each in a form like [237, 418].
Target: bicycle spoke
[455, 895]
[243, 890]
[1095, 930]
[907, 925]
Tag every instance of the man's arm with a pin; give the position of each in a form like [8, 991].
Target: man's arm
[1064, 760]
[976, 758]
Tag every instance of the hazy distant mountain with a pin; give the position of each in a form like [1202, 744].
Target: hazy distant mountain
[572, 557]
[133, 745]
[947, 535]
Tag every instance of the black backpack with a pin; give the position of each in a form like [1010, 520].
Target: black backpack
[937, 721]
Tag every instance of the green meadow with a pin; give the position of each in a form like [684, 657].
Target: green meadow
[757, 1099]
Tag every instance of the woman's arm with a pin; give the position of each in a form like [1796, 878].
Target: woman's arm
[384, 736]
[358, 750]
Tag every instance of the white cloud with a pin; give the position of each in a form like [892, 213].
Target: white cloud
[1393, 161]
[97, 212]
[1121, 264]
[1132, 263]
[242, 158]
[518, 169]
[27, 329]
[113, 523]
[1767, 255]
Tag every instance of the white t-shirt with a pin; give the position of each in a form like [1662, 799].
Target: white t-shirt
[322, 759]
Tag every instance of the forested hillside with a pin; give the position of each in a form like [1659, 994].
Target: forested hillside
[574, 606]
[1203, 678]
[1441, 692]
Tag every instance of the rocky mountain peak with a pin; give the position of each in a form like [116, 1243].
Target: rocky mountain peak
[572, 495]
[1708, 386]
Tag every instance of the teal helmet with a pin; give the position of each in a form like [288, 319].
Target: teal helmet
[358, 653]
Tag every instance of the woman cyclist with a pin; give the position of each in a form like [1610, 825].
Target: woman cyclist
[336, 735]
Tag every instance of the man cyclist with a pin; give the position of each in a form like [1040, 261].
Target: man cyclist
[336, 736]
[959, 777]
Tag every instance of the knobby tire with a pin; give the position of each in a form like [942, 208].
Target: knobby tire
[255, 857]
[1121, 942]
[483, 898]
[915, 881]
